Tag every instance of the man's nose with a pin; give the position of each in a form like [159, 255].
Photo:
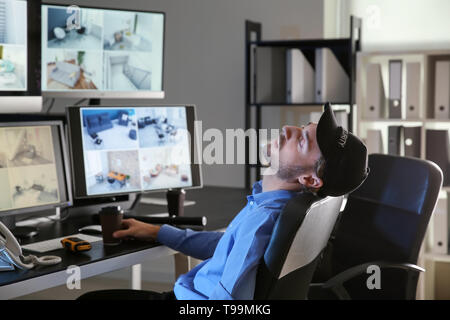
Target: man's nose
[289, 131]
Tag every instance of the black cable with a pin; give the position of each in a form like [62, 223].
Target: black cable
[51, 106]
[79, 101]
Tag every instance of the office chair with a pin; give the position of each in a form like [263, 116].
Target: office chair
[299, 237]
[383, 225]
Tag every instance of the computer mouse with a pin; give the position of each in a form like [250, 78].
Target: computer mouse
[91, 230]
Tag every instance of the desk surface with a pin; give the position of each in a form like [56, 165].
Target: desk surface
[220, 205]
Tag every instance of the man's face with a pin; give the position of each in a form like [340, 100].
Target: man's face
[295, 148]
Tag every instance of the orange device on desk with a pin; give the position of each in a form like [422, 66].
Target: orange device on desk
[75, 244]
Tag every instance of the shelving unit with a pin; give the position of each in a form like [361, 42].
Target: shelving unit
[426, 121]
[344, 50]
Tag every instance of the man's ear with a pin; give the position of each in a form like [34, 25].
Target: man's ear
[310, 180]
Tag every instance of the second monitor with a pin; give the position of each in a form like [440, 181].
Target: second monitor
[120, 150]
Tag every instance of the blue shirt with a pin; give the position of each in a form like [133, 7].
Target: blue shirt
[230, 259]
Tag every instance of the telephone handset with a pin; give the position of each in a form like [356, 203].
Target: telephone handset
[11, 252]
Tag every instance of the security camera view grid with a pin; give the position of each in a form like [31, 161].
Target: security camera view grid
[134, 149]
[98, 49]
[27, 168]
[13, 45]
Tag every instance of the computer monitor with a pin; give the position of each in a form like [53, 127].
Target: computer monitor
[92, 52]
[20, 45]
[34, 169]
[122, 150]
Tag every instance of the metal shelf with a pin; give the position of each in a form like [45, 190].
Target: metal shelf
[306, 43]
[344, 50]
[303, 104]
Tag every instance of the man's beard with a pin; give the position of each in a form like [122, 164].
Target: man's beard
[290, 172]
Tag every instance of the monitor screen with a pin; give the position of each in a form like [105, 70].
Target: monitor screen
[13, 45]
[118, 150]
[95, 52]
[34, 173]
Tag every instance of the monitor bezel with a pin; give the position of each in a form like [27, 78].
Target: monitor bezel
[73, 116]
[98, 94]
[64, 164]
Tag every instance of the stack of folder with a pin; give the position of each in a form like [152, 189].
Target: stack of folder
[318, 82]
[376, 100]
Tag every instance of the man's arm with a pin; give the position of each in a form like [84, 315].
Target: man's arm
[198, 244]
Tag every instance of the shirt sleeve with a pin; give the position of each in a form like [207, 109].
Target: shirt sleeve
[198, 244]
[239, 276]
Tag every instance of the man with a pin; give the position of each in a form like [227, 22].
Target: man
[321, 158]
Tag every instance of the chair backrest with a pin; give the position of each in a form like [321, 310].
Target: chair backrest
[386, 219]
[300, 235]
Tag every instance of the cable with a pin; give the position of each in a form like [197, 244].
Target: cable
[79, 101]
[51, 106]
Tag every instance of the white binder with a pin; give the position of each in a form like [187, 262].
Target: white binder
[300, 78]
[374, 141]
[439, 234]
[332, 82]
[412, 90]
[442, 90]
[375, 106]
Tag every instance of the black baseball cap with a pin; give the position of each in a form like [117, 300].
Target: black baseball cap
[345, 156]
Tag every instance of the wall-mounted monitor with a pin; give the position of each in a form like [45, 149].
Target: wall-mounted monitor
[92, 52]
[20, 42]
[120, 150]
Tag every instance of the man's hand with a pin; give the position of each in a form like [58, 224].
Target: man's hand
[137, 229]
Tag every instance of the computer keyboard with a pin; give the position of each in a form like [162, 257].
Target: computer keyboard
[54, 244]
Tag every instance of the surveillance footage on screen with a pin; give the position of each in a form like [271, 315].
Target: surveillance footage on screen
[27, 167]
[107, 50]
[13, 45]
[132, 149]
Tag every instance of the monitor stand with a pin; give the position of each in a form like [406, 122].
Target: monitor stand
[94, 102]
[175, 202]
[22, 232]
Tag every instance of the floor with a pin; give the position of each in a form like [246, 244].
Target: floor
[116, 138]
[157, 275]
[92, 284]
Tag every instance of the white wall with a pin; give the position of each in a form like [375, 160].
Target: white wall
[400, 24]
[205, 57]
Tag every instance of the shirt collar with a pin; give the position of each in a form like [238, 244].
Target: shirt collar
[258, 196]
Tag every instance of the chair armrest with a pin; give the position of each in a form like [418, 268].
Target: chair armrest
[336, 283]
